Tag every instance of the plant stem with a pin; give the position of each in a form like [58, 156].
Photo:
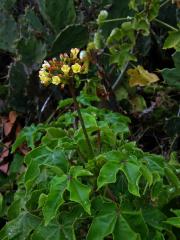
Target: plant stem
[71, 88]
[166, 25]
[116, 19]
[164, 3]
[110, 194]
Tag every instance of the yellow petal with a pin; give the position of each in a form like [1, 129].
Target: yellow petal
[74, 52]
[56, 80]
[65, 68]
[76, 68]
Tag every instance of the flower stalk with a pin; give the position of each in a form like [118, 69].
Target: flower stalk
[76, 104]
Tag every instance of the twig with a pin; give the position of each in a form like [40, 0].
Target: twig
[166, 25]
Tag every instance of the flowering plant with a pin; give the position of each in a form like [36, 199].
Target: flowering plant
[60, 71]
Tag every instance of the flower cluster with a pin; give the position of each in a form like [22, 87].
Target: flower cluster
[59, 71]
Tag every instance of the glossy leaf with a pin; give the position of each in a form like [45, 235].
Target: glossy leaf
[20, 227]
[122, 230]
[147, 174]
[154, 217]
[108, 173]
[172, 76]
[133, 174]
[173, 221]
[31, 174]
[173, 40]
[55, 231]
[103, 224]
[79, 171]
[55, 198]
[136, 222]
[28, 135]
[78, 191]
[44, 155]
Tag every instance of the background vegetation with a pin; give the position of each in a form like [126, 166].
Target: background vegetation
[51, 184]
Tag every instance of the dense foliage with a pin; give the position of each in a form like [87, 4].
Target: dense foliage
[103, 164]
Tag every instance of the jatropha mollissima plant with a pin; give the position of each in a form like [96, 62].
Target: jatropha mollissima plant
[65, 71]
[87, 181]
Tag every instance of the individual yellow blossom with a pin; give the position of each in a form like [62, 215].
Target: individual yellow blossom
[65, 68]
[45, 80]
[56, 80]
[76, 68]
[74, 52]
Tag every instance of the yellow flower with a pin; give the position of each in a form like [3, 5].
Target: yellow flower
[65, 68]
[44, 77]
[74, 52]
[76, 68]
[56, 80]
[44, 80]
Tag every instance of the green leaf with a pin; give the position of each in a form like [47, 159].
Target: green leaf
[32, 202]
[79, 171]
[173, 40]
[28, 134]
[172, 76]
[18, 80]
[65, 102]
[108, 173]
[136, 221]
[103, 224]
[55, 198]
[154, 217]
[58, 13]
[89, 120]
[31, 174]
[173, 221]
[8, 32]
[42, 200]
[20, 227]
[122, 230]
[176, 212]
[16, 164]
[70, 37]
[55, 232]
[52, 231]
[155, 163]
[79, 193]
[31, 51]
[62, 231]
[120, 161]
[133, 174]
[15, 209]
[44, 155]
[53, 135]
[147, 174]
[171, 176]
